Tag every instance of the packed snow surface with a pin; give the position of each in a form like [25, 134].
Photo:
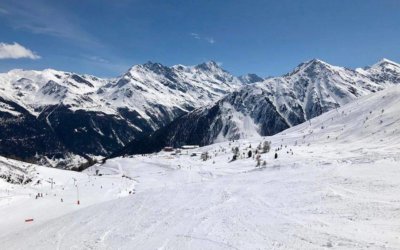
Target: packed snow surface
[335, 184]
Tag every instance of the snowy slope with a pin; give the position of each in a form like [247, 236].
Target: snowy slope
[338, 189]
[19, 202]
[271, 106]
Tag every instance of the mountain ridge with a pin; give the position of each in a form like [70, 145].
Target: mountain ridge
[266, 108]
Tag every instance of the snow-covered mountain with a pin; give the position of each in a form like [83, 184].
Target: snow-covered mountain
[159, 93]
[268, 107]
[384, 72]
[52, 113]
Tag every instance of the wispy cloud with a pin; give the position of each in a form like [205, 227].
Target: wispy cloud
[42, 17]
[209, 40]
[96, 59]
[16, 51]
[195, 36]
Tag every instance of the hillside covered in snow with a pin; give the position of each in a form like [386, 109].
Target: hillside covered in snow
[331, 182]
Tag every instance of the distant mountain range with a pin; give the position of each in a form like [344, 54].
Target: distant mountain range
[271, 106]
[64, 119]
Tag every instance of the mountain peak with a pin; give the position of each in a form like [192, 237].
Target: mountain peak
[316, 61]
[385, 62]
[310, 66]
[210, 66]
[155, 67]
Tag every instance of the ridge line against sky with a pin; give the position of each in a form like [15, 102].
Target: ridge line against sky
[269, 38]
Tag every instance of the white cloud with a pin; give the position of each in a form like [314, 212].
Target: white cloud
[16, 51]
[210, 40]
[195, 36]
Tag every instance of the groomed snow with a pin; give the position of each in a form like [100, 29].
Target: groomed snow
[339, 189]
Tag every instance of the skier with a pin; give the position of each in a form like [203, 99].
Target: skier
[258, 160]
[234, 157]
[249, 154]
[276, 155]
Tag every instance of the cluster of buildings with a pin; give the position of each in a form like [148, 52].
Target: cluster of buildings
[176, 151]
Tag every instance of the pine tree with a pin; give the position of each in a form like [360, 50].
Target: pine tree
[266, 147]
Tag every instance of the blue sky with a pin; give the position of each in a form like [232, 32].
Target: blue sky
[106, 37]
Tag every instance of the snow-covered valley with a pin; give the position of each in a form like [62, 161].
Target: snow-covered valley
[335, 184]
